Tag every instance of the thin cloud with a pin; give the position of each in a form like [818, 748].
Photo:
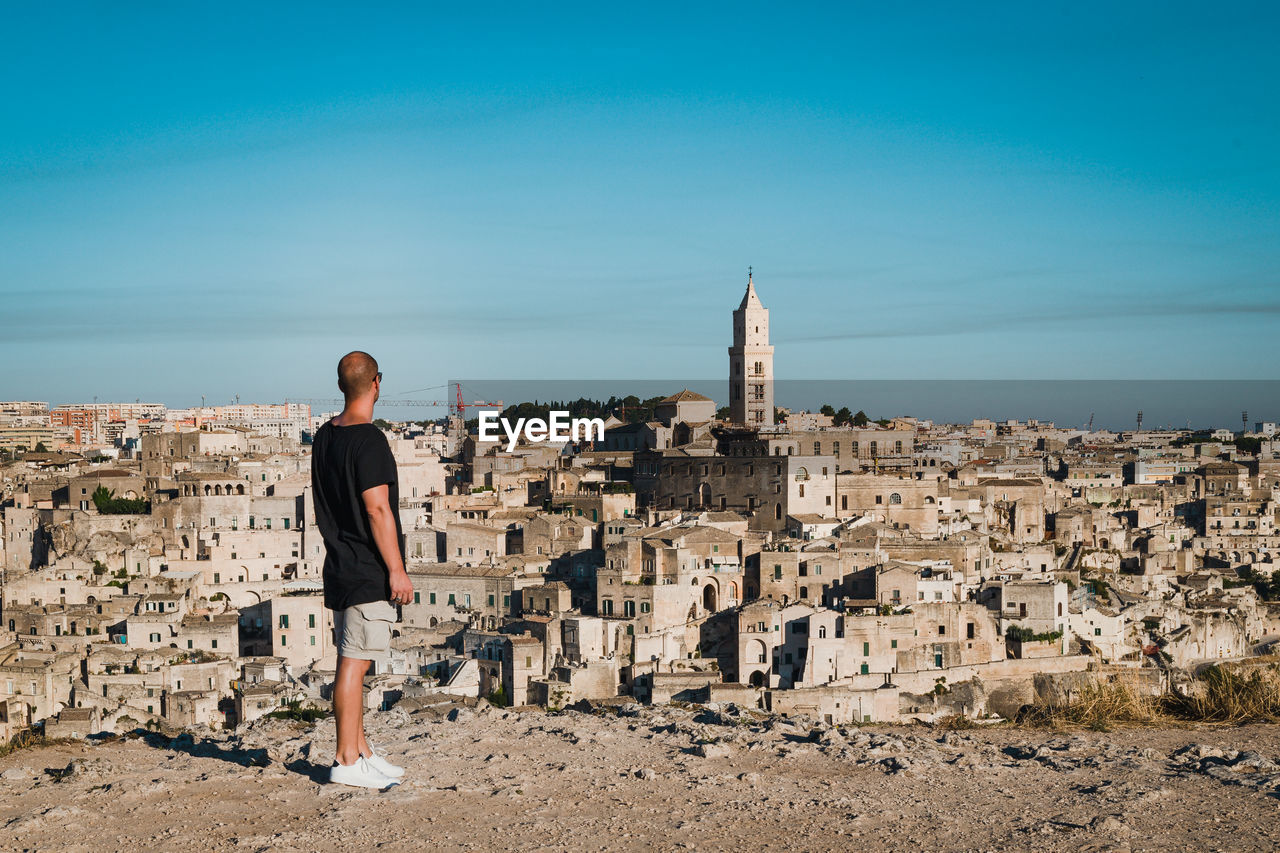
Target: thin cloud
[968, 326]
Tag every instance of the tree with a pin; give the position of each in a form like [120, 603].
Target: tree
[1248, 444]
[861, 419]
[381, 424]
[40, 448]
[105, 501]
[101, 498]
[722, 413]
[843, 416]
[827, 410]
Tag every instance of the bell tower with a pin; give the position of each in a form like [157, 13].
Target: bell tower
[751, 362]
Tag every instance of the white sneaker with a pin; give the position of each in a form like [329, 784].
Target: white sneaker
[360, 775]
[386, 768]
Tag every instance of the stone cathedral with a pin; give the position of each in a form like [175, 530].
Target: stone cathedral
[751, 363]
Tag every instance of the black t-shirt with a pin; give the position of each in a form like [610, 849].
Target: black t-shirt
[345, 461]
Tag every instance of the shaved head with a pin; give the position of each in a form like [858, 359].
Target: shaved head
[356, 372]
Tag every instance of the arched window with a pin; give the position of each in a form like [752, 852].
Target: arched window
[895, 498]
[822, 631]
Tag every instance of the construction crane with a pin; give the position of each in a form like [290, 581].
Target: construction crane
[1090, 428]
[1139, 420]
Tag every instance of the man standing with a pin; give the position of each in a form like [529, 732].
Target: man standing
[353, 475]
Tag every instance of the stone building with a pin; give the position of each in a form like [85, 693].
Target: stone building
[751, 363]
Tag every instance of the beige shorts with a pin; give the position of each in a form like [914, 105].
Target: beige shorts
[363, 632]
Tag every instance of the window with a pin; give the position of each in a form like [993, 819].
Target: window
[451, 599]
[313, 639]
[969, 630]
[866, 650]
[189, 644]
[777, 573]
[155, 638]
[644, 607]
[506, 601]
[433, 598]
[417, 597]
[942, 630]
[606, 606]
[893, 644]
[311, 619]
[895, 499]
[217, 577]
[213, 644]
[284, 620]
[491, 602]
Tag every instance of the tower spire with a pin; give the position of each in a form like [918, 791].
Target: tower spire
[751, 362]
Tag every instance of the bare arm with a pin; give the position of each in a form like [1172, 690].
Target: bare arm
[382, 524]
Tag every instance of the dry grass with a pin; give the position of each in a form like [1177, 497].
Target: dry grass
[1098, 706]
[954, 722]
[30, 739]
[1230, 694]
[1227, 693]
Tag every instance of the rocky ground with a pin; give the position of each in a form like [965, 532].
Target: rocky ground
[652, 778]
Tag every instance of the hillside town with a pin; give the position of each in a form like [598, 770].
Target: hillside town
[161, 567]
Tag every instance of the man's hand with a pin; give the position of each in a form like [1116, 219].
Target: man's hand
[401, 587]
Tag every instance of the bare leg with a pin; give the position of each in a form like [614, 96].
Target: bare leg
[365, 749]
[348, 708]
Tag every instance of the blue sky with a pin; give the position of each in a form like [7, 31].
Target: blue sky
[222, 199]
